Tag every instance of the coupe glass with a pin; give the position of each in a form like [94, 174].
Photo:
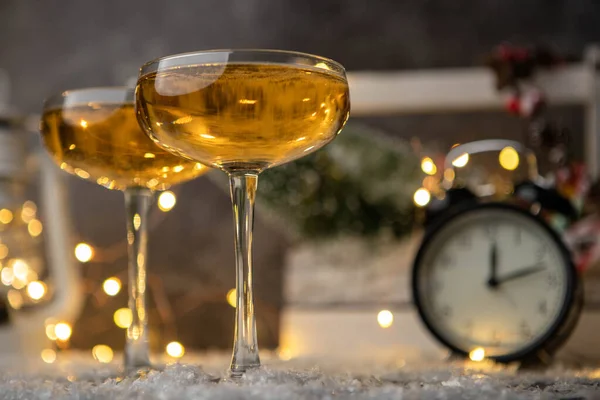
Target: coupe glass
[93, 133]
[242, 111]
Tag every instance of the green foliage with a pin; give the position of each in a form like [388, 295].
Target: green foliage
[361, 184]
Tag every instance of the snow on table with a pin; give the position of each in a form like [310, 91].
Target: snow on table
[78, 377]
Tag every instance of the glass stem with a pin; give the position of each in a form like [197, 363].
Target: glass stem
[137, 205]
[245, 348]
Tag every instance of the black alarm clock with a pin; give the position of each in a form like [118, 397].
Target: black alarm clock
[496, 279]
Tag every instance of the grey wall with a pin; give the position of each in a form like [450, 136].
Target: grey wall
[49, 46]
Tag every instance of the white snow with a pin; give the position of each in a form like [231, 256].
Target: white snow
[77, 376]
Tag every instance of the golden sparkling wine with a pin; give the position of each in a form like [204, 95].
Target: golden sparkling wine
[243, 116]
[103, 142]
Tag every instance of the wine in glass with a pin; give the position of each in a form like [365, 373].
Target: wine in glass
[243, 111]
[94, 134]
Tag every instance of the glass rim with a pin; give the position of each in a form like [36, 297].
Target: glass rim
[89, 94]
[146, 68]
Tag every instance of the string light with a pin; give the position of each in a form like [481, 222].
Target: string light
[385, 318]
[36, 290]
[123, 318]
[48, 356]
[478, 354]
[84, 252]
[34, 227]
[6, 216]
[422, 197]
[428, 166]
[166, 201]
[175, 349]
[112, 286]
[51, 331]
[461, 160]
[3, 251]
[15, 300]
[28, 211]
[20, 269]
[6, 276]
[508, 158]
[231, 297]
[63, 331]
[102, 353]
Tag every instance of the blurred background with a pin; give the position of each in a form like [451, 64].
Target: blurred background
[48, 47]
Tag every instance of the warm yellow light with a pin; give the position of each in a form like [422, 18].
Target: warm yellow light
[123, 318]
[112, 286]
[84, 252]
[28, 211]
[428, 166]
[422, 197]
[7, 276]
[284, 353]
[166, 200]
[478, 354]
[34, 227]
[102, 353]
[178, 168]
[231, 297]
[385, 318]
[51, 331]
[509, 158]
[36, 290]
[461, 160]
[3, 251]
[175, 349]
[20, 269]
[149, 155]
[449, 174]
[63, 331]
[49, 356]
[15, 300]
[83, 123]
[18, 284]
[6, 216]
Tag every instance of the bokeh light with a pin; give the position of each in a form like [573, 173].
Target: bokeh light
[166, 200]
[422, 197]
[48, 356]
[112, 286]
[102, 353]
[478, 354]
[36, 290]
[84, 252]
[428, 166]
[175, 349]
[385, 318]
[123, 318]
[231, 297]
[509, 158]
[63, 331]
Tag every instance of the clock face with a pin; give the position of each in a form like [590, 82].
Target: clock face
[493, 277]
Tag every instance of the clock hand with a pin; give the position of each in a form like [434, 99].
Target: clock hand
[520, 273]
[493, 280]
